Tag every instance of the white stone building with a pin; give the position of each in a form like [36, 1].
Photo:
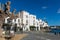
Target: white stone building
[32, 20]
[28, 20]
[38, 24]
[45, 24]
[13, 20]
[24, 15]
[25, 20]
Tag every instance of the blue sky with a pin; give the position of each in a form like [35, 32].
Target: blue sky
[45, 9]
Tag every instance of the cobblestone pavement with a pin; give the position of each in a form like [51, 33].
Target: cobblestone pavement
[34, 35]
[18, 36]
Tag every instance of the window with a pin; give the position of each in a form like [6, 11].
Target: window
[33, 20]
[26, 21]
[15, 20]
[9, 21]
[33, 17]
[33, 23]
[18, 20]
[26, 16]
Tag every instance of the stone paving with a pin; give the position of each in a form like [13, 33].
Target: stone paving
[34, 35]
[41, 36]
[16, 37]
[19, 36]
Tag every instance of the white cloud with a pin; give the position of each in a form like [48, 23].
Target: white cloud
[58, 10]
[44, 7]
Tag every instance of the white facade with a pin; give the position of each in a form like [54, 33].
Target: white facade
[32, 20]
[38, 24]
[18, 22]
[28, 20]
[13, 21]
[6, 19]
[24, 20]
[45, 24]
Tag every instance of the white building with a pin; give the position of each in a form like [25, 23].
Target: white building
[38, 24]
[6, 19]
[13, 20]
[45, 24]
[24, 15]
[28, 20]
[25, 20]
[32, 20]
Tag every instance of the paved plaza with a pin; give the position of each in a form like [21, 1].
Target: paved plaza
[34, 35]
[41, 36]
[16, 37]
